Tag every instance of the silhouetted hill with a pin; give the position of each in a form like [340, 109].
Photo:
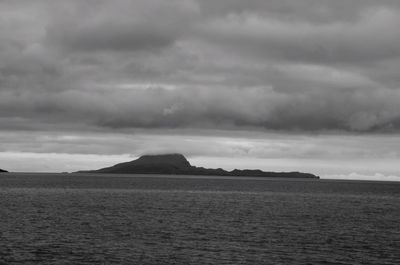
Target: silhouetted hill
[2, 170]
[177, 164]
[151, 164]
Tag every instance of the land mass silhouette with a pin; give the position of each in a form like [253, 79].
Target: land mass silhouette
[3, 171]
[177, 164]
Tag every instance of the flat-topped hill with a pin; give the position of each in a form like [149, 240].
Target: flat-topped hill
[177, 164]
[151, 164]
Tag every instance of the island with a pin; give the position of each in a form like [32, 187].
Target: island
[3, 171]
[177, 164]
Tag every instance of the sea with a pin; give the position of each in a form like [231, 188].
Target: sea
[157, 219]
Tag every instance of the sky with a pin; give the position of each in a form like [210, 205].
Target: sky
[282, 85]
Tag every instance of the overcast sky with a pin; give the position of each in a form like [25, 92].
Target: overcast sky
[309, 85]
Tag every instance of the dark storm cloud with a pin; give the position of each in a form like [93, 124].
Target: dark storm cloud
[115, 37]
[310, 65]
[120, 25]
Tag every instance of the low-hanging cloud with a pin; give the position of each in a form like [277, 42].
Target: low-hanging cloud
[222, 108]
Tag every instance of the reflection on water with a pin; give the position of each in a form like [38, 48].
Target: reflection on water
[60, 219]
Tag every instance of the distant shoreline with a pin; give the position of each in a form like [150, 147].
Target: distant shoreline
[169, 176]
[177, 164]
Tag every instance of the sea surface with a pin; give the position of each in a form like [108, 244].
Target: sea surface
[139, 219]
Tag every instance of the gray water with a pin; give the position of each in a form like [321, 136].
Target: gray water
[88, 219]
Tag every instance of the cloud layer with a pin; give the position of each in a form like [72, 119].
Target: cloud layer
[284, 65]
